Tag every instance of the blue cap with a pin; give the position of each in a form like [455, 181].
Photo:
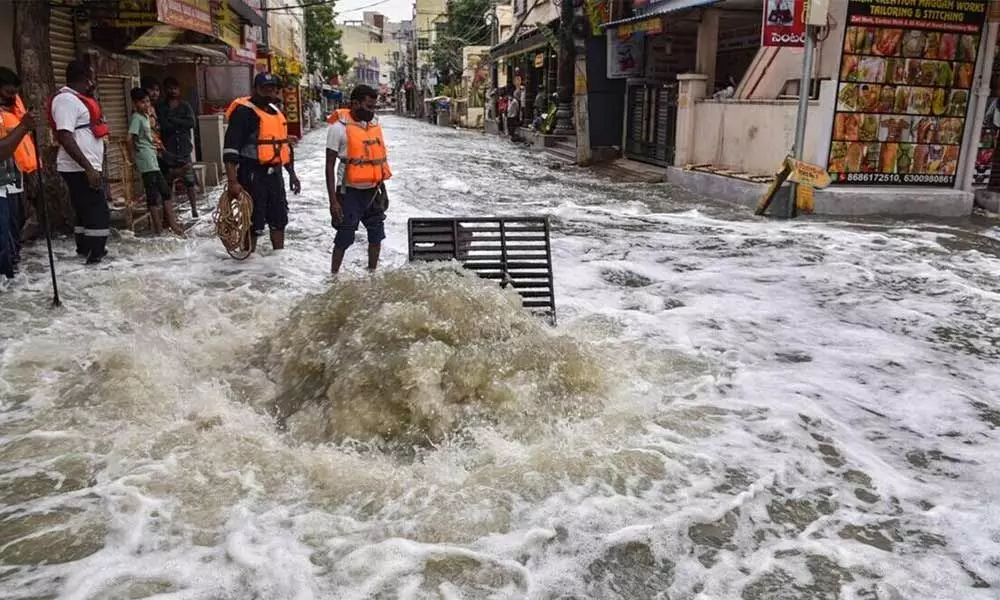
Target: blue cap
[266, 79]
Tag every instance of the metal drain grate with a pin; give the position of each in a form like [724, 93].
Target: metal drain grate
[514, 251]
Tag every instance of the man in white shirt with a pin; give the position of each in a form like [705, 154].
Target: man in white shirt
[81, 131]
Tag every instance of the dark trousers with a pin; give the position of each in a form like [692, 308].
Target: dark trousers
[93, 217]
[6, 239]
[266, 185]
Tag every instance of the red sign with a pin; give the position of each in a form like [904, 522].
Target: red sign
[784, 23]
[247, 54]
[193, 15]
[291, 109]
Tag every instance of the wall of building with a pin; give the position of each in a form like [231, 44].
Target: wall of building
[425, 14]
[752, 135]
[605, 97]
[7, 34]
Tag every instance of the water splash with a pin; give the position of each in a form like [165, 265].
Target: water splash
[417, 353]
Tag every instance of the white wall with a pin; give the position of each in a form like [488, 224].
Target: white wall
[753, 136]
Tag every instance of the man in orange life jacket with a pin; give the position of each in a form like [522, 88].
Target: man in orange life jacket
[256, 149]
[17, 159]
[81, 131]
[355, 137]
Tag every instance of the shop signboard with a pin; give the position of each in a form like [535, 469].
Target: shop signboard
[784, 23]
[624, 56]
[226, 24]
[124, 13]
[193, 15]
[906, 76]
[290, 106]
[246, 54]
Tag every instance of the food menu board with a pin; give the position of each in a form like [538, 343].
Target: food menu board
[905, 81]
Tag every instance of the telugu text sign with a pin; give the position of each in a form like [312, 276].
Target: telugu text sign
[784, 23]
[905, 81]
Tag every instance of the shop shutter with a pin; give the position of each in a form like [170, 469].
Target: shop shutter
[636, 119]
[63, 38]
[666, 121]
[112, 93]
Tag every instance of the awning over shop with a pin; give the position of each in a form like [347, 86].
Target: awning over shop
[249, 11]
[635, 23]
[529, 41]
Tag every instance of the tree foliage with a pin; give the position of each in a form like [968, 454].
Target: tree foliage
[323, 50]
[466, 26]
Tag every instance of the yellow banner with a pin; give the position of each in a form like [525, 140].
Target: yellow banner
[157, 38]
[226, 25]
[651, 26]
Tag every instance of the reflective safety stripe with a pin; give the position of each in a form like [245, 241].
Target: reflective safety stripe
[97, 232]
[366, 161]
[78, 229]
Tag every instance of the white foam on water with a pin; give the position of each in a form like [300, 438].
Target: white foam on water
[799, 410]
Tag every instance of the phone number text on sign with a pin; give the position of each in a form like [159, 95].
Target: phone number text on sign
[897, 178]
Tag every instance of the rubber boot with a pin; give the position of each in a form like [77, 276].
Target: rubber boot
[373, 252]
[156, 219]
[278, 240]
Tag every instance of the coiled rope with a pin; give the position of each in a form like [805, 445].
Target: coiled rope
[233, 223]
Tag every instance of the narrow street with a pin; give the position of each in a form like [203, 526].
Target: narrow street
[794, 410]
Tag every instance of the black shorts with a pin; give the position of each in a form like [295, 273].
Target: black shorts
[187, 176]
[270, 205]
[157, 189]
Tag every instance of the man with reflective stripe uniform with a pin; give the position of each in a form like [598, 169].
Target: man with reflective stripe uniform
[81, 130]
[357, 192]
[256, 149]
[17, 159]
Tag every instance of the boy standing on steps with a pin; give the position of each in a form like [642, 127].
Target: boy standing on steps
[144, 150]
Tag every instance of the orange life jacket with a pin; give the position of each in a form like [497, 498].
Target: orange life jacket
[272, 135]
[98, 126]
[235, 103]
[367, 162]
[25, 155]
[337, 115]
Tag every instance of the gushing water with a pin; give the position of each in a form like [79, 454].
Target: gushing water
[414, 354]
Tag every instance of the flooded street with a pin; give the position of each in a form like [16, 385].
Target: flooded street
[729, 408]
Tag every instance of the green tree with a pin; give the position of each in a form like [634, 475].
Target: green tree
[466, 26]
[323, 49]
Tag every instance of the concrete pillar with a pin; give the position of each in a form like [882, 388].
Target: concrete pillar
[581, 106]
[692, 87]
[708, 45]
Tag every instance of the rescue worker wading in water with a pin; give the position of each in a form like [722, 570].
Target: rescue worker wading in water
[357, 193]
[255, 150]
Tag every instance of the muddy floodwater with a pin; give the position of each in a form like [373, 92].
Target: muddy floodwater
[729, 407]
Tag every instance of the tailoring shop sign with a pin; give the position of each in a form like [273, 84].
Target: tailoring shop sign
[193, 15]
[624, 56]
[906, 76]
[784, 23]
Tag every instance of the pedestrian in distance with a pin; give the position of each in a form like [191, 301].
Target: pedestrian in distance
[176, 119]
[356, 187]
[79, 125]
[143, 146]
[256, 149]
